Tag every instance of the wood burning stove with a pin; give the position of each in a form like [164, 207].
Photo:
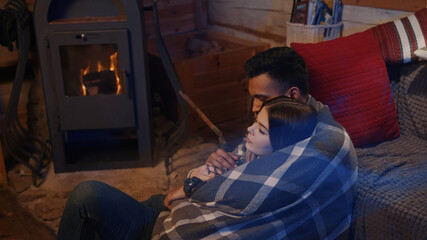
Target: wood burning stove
[93, 63]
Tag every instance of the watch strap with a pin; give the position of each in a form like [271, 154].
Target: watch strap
[190, 184]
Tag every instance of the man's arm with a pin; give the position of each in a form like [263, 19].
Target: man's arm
[218, 163]
[222, 159]
[218, 160]
[174, 194]
[204, 172]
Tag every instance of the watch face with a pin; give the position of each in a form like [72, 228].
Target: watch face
[189, 184]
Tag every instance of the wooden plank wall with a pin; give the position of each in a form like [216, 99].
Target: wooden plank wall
[177, 16]
[265, 21]
[261, 21]
[358, 18]
[407, 5]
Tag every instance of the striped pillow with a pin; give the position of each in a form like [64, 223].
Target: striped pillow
[398, 40]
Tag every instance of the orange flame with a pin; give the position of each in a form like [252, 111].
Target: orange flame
[99, 68]
[82, 73]
[113, 61]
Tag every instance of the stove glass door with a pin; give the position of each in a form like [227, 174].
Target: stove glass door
[92, 79]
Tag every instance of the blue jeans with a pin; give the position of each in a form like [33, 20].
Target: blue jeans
[95, 209]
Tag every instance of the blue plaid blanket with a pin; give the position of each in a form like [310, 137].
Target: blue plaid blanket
[304, 191]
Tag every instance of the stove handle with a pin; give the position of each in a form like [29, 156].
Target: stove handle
[82, 37]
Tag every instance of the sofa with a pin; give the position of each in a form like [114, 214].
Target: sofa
[376, 88]
[392, 182]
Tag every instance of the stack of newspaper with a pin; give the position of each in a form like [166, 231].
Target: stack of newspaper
[317, 12]
[314, 21]
[324, 12]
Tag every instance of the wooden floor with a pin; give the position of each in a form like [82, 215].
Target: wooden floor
[16, 223]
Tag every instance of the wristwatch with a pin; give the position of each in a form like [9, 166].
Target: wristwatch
[189, 184]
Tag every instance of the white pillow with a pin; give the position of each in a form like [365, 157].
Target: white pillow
[421, 53]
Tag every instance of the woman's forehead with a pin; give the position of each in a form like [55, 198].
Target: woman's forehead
[262, 117]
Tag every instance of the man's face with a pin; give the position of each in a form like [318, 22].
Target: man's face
[262, 88]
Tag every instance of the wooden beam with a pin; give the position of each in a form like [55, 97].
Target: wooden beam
[201, 18]
[407, 5]
[3, 172]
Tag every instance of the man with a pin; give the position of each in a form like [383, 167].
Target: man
[303, 191]
[278, 71]
[275, 72]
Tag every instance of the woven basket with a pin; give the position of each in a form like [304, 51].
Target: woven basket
[300, 33]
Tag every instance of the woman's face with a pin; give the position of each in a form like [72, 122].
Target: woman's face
[258, 139]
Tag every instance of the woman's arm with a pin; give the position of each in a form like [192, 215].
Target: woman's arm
[204, 172]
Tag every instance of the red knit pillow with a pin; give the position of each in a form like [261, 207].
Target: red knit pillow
[349, 75]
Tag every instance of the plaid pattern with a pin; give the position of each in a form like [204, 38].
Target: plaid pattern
[399, 39]
[306, 191]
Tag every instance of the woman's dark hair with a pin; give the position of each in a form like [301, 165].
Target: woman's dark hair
[289, 120]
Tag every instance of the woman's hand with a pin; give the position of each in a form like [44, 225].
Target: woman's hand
[222, 160]
[174, 194]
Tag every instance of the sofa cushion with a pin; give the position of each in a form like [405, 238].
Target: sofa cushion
[392, 179]
[391, 192]
[410, 95]
[349, 75]
[399, 39]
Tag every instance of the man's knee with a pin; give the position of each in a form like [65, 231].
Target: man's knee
[86, 191]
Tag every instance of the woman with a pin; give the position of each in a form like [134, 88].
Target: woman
[96, 209]
[281, 122]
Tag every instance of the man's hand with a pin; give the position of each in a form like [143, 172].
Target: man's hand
[222, 160]
[203, 172]
[174, 194]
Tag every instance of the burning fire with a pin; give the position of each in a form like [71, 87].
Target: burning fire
[113, 60]
[99, 68]
[82, 73]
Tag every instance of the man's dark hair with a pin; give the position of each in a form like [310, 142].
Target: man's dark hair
[284, 65]
[289, 121]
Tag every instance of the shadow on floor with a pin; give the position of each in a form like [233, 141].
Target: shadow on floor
[18, 223]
